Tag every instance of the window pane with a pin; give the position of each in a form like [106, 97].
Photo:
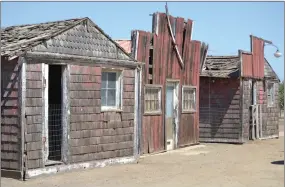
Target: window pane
[111, 97]
[103, 97]
[151, 99]
[104, 80]
[112, 80]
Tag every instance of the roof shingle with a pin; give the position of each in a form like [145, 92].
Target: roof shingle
[220, 66]
[20, 38]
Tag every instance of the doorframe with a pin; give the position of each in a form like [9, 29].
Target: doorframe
[176, 83]
[64, 116]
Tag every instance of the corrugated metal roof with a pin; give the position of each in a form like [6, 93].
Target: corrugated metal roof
[125, 44]
[220, 66]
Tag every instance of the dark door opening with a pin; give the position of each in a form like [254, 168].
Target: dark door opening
[55, 112]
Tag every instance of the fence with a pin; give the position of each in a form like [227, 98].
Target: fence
[55, 132]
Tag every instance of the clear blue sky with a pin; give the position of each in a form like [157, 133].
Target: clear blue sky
[225, 26]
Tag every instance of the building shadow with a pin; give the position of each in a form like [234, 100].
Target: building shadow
[278, 162]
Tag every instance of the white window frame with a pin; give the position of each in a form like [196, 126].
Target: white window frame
[153, 86]
[119, 90]
[270, 98]
[195, 100]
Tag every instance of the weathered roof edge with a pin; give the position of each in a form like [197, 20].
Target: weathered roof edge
[80, 20]
[266, 61]
[17, 54]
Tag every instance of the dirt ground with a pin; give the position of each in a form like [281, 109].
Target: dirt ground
[258, 163]
[215, 165]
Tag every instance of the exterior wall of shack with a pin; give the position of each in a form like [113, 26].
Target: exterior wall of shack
[270, 115]
[34, 114]
[10, 118]
[163, 66]
[97, 135]
[220, 110]
[93, 134]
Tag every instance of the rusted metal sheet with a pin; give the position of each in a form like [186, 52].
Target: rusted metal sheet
[247, 70]
[257, 57]
[164, 64]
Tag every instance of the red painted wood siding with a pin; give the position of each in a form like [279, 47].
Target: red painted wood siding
[253, 63]
[166, 66]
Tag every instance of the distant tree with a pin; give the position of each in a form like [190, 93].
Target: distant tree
[281, 95]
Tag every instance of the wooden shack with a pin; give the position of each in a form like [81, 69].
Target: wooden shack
[69, 99]
[238, 97]
[170, 96]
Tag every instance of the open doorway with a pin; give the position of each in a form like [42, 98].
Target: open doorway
[54, 123]
[171, 115]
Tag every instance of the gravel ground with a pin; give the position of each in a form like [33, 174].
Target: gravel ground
[215, 165]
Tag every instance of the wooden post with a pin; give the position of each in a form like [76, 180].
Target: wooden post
[257, 121]
[22, 103]
[260, 121]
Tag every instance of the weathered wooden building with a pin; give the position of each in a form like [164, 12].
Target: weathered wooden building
[170, 96]
[238, 97]
[69, 98]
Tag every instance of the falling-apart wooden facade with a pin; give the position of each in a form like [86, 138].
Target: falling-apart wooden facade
[98, 99]
[239, 97]
[164, 72]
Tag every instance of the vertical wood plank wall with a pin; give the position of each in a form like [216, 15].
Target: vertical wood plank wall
[165, 65]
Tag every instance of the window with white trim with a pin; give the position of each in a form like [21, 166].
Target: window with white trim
[111, 90]
[152, 99]
[270, 94]
[188, 99]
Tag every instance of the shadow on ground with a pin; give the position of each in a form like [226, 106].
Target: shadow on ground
[279, 162]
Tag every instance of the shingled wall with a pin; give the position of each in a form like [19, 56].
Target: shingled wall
[94, 134]
[220, 110]
[34, 121]
[10, 128]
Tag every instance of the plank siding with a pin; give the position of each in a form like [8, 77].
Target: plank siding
[165, 65]
[10, 128]
[96, 135]
[270, 115]
[220, 110]
[34, 118]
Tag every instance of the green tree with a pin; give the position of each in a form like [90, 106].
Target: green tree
[281, 95]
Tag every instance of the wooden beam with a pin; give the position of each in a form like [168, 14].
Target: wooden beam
[173, 39]
[53, 58]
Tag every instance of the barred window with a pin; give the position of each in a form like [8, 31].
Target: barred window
[188, 99]
[152, 99]
[270, 94]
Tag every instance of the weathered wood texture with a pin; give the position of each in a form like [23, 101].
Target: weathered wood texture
[33, 111]
[96, 135]
[253, 63]
[164, 65]
[85, 39]
[270, 115]
[246, 102]
[10, 128]
[220, 110]
[257, 49]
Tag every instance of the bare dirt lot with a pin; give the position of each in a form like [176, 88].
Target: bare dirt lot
[214, 165]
